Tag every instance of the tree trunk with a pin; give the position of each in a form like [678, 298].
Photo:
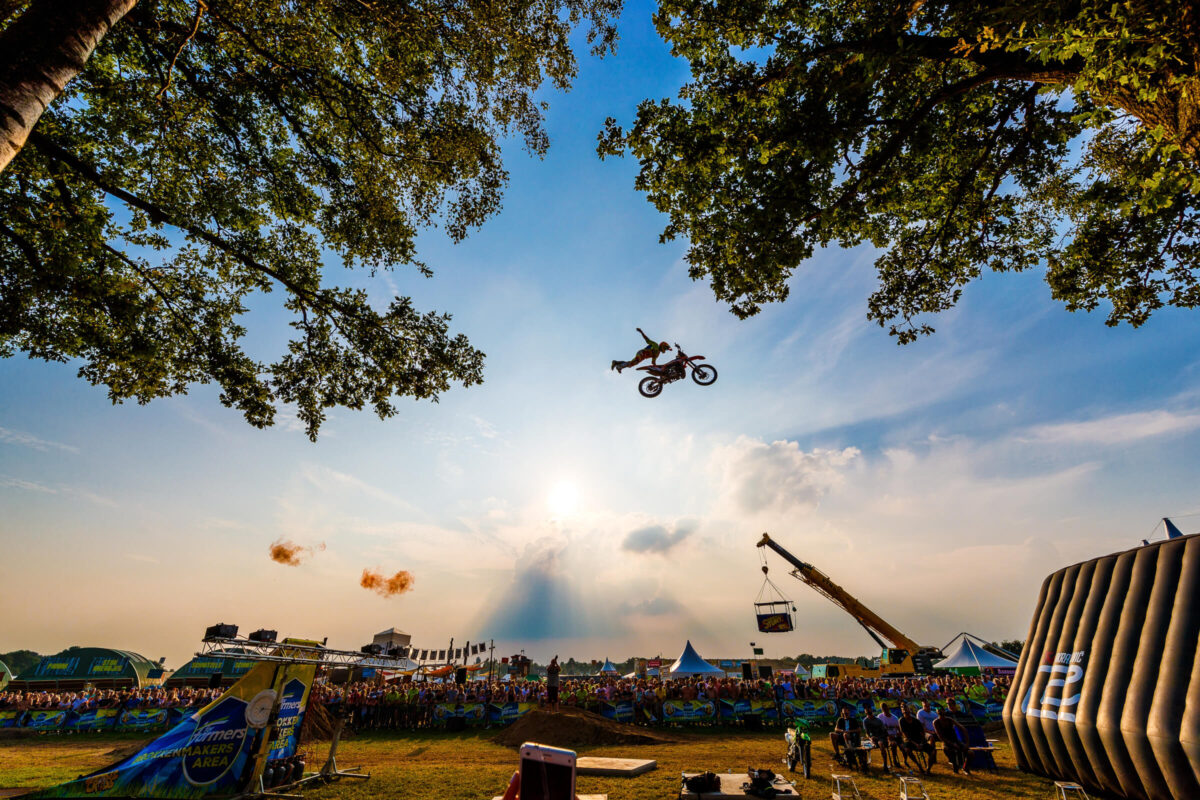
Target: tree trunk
[40, 52]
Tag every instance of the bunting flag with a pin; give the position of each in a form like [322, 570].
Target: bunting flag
[457, 653]
[441, 655]
[424, 655]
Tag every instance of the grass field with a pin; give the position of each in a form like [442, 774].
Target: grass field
[469, 765]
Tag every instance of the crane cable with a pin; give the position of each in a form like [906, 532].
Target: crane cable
[768, 583]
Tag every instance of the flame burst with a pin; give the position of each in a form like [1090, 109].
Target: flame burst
[399, 583]
[291, 554]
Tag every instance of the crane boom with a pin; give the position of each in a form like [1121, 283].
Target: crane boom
[874, 624]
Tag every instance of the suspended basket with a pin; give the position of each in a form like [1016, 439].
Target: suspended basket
[773, 610]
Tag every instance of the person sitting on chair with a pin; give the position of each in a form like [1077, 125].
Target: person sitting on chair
[874, 728]
[915, 740]
[846, 733]
[892, 723]
[652, 351]
[954, 740]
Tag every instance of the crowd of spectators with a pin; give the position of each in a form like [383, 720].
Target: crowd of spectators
[401, 704]
[90, 699]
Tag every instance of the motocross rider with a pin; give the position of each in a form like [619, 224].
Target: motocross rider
[652, 351]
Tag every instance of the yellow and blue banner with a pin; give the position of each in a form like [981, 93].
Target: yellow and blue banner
[689, 711]
[210, 753]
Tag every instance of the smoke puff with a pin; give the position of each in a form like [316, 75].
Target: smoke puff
[399, 583]
[291, 554]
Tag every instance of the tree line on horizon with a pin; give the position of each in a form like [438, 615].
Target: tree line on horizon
[20, 660]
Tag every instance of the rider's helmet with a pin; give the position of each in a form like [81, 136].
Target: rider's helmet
[664, 345]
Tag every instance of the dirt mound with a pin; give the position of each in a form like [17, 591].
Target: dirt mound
[573, 727]
[319, 725]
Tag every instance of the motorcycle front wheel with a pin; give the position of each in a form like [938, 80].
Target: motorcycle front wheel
[705, 374]
[650, 387]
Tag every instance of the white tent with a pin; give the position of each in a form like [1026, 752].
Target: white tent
[690, 663]
[969, 655]
[652, 672]
[801, 671]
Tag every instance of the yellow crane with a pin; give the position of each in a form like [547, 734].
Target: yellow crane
[900, 656]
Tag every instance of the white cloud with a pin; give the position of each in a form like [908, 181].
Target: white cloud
[330, 481]
[1117, 429]
[73, 491]
[757, 477]
[29, 486]
[9, 436]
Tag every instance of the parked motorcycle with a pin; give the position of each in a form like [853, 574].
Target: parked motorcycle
[675, 370]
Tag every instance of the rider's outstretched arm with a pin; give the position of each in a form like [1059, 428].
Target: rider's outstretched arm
[647, 338]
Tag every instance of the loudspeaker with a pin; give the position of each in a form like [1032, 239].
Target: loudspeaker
[264, 636]
[220, 631]
[460, 675]
[456, 724]
[214, 680]
[747, 671]
[764, 671]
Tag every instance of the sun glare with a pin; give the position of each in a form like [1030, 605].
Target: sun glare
[563, 499]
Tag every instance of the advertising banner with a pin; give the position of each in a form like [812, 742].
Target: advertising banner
[142, 719]
[298, 680]
[621, 711]
[504, 713]
[736, 709]
[774, 623]
[816, 711]
[45, 719]
[10, 719]
[201, 667]
[689, 711]
[207, 754]
[105, 667]
[473, 713]
[96, 719]
[51, 666]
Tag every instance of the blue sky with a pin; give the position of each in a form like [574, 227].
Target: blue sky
[556, 510]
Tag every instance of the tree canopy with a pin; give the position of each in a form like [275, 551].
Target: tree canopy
[954, 136]
[207, 151]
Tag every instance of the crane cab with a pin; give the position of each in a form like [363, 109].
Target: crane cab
[896, 661]
[841, 671]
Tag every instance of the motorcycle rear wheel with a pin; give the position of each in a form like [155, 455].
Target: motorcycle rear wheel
[705, 374]
[650, 387]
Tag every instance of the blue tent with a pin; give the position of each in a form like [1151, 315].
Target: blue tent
[690, 663]
[609, 669]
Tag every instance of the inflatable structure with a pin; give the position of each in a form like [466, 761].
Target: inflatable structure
[1107, 692]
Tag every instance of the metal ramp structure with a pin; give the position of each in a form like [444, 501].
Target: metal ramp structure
[241, 745]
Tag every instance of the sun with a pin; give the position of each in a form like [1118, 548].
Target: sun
[563, 499]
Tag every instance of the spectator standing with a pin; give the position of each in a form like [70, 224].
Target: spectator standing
[552, 672]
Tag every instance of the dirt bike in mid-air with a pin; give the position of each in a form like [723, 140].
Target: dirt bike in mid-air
[675, 370]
